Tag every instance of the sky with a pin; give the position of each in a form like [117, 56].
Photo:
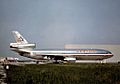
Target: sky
[54, 23]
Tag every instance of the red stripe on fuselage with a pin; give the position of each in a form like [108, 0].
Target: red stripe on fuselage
[74, 55]
[91, 55]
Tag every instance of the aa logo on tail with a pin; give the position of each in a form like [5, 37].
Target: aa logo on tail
[20, 39]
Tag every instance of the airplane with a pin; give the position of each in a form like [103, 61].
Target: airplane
[23, 48]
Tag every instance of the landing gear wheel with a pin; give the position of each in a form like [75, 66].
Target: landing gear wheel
[37, 62]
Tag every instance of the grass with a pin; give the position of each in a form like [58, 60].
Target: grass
[64, 74]
[1, 76]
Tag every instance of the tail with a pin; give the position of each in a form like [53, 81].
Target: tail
[21, 42]
[21, 45]
[19, 38]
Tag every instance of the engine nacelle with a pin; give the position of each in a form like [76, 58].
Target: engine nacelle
[22, 46]
[69, 58]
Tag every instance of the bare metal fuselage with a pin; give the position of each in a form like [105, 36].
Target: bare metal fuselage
[26, 49]
[79, 54]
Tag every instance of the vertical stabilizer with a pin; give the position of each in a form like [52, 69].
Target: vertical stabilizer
[19, 38]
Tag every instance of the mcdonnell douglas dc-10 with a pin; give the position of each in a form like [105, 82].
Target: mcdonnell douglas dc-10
[23, 48]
